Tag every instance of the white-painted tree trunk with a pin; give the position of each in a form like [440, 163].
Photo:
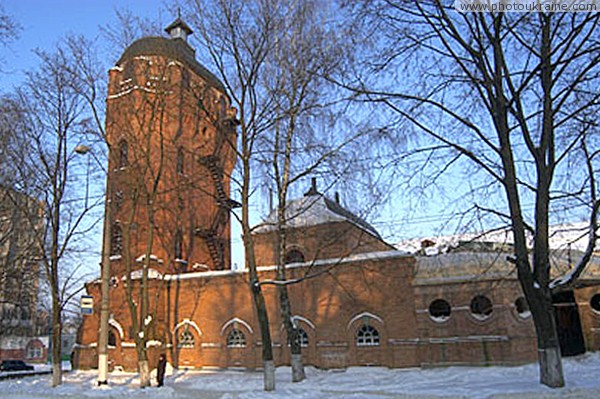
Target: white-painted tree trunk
[56, 373]
[269, 375]
[102, 369]
[551, 372]
[297, 368]
[144, 373]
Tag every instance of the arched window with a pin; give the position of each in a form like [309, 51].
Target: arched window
[367, 336]
[440, 310]
[116, 244]
[118, 199]
[112, 338]
[178, 243]
[186, 339]
[294, 256]
[481, 307]
[222, 107]
[123, 154]
[236, 339]
[128, 72]
[180, 161]
[302, 338]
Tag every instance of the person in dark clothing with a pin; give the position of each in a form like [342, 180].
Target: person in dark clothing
[160, 370]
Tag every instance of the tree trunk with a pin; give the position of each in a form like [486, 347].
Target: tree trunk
[267, 348]
[144, 371]
[551, 372]
[253, 282]
[292, 335]
[56, 347]
[549, 357]
[297, 367]
[269, 375]
[56, 331]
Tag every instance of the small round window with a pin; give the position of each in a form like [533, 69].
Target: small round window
[595, 303]
[522, 307]
[481, 307]
[440, 310]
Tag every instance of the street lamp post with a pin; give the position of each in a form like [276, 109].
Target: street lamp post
[104, 282]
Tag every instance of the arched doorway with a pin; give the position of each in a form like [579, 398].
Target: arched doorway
[568, 324]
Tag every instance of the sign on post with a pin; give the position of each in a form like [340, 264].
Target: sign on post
[87, 304]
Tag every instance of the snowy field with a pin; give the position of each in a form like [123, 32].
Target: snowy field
[582, 374]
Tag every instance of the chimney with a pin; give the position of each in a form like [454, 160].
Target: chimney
[313, 188]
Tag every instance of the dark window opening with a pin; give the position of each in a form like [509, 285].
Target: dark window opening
[236, 339]
[186, 339]
[522, 307]
[595, 302]
[302, 338]
[118, 198]
[116, 244]
[294, 256]
[440, 310]
[185, 79]
[123, 154]
[128, 70]
[178, 245]
[222, 107]
[367, 335]
[180, 161]
[112, 338]
[481, 307]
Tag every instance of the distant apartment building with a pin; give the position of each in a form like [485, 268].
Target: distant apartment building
[23, 333]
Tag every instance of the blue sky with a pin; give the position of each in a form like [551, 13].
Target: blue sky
[44, 22]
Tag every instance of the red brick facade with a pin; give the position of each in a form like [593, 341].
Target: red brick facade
[369, 305]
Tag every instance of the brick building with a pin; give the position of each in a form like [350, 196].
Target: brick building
[23, 332]
[371, 304]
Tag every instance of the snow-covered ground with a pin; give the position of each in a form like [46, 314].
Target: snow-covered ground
[582, 374]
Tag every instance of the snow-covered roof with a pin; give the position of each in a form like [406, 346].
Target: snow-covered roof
[463, 266]
[314, 209]
[564, 237]
[489, 265]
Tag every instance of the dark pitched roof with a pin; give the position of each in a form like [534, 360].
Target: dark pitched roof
[340, 210]
[176, 49]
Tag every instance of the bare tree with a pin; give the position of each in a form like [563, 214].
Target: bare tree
[161, 112]
[138, 161]
[54, 121]
[9, 28]
[237, 37]
[308, 50]
[274, 58]
[126, 28]
[511, 95]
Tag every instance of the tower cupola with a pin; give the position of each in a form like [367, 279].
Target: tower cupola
[178, 29]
